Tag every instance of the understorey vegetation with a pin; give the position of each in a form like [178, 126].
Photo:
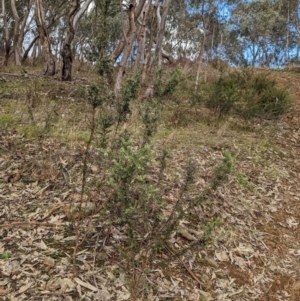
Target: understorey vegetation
[247, 94]
[128, 195]
[140, 186]
[131, 215]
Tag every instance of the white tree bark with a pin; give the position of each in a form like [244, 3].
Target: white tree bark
[19, 30]
[142, 37]
[128, 47]
[44, 38]
[6, 33]
[161, 30]
[17, 50]
[119, 49]
[81, 11]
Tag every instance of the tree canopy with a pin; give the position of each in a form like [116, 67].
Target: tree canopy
[242, 33]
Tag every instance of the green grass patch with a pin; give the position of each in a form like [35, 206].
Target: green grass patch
[31, 131]
[7, 120]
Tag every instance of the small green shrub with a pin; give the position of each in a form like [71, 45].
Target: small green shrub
[219, 64]
[249, 95]
[175, 78]
[162, 159]
[50, 119]
[149, 115]
[6, 255]
[129, 195]
[260, 83]
[104, 123]
[243, 181]
[225, 93]
[99, 93]
[222, 170]
[269, 103]
[128, 93]
[106, 68]
[173, 92]
[158, 92]
[167, 87]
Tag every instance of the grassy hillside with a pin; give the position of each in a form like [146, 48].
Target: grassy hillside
[173, 200]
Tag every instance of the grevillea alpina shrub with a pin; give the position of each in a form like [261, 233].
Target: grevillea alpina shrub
[247, 94]
[264, 99]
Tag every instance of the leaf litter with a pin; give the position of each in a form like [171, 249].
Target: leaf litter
[254, 255]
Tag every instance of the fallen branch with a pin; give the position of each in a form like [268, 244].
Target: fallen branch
[12, 74]
[54, 208]
[30, 224]
[186, 267]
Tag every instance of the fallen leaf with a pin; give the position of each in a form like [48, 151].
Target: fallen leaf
[86, 285]
[186, 234]
[124, 295]
[49, 261]
[3, 292]
[222, 256]
[42, 245]
[240, 262]
[24, 288]
[66, 285]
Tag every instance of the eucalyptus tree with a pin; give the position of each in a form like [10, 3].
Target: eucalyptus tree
[289, 33]
[109, 27]
[154, 50]
[53, 12]
[133, 11]
[5, 38]
[21, 14]
[75, 13]
[255, 22]
[44, 38]
[95, 39]
[130, 37]
[161, 24]
[84, 40]
[205, 10]
[141, 39]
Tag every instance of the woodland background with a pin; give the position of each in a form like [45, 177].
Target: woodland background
[261, 33]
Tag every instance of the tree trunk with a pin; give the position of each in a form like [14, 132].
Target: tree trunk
[47, 56]
[19, 30]
[159, 53]
[168, 56]
[6, 38]
[200, 60]
[141, 38]
[212, 44]
[161, 31]
[205, 22]
[286, 52]
[147, 60]
[67, 61]
[34, 54]
[17, 50]
[120, 47]
[127, 50]
[67, 56]
[33, 42]
[78, 15]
